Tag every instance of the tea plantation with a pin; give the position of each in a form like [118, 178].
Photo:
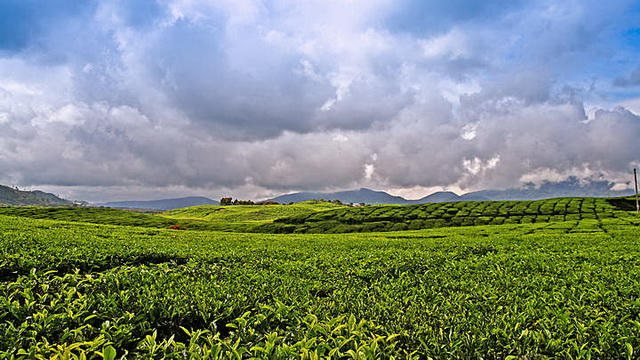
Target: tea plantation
[551, 279]
[398, 218]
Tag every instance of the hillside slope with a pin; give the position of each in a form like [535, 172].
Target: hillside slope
[11, 196]
[163, 204]
[322, 217]
[237, 218]
[103, 216]
[249, 213]
[414, 217]
[567, 290]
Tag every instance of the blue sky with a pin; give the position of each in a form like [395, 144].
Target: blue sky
[113, 99]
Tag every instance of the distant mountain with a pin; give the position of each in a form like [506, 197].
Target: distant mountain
[473, 197]
[165, 204]
[444, 196]
[11, 196]
[363, 195]
[368, 196]
[571, 187]
[568, 188]
[440, 196]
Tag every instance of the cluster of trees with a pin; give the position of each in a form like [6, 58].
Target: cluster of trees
[231, 201]
[338, 202]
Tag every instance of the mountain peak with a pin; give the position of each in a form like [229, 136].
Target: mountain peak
[439, 196]
[362, 195]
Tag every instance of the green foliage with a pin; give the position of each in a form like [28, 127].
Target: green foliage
[248, 214]
[424, 216]
[330, 218]
[11, 196]
[106, 216]
[564, 289]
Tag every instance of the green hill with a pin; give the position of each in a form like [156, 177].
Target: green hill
[237, 218]
[250, 213]
[560, 290]
[414, 217]
[11, 196]
[323, 217]
[163, 204]
[103, 216]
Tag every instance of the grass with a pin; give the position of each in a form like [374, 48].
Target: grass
[323, 217]
[248, 213]
[568, 288]
[105, 216]
[473, 213]
[239, 218]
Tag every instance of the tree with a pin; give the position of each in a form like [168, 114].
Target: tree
[226, 201]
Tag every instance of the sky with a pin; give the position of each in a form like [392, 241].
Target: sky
[112, 99]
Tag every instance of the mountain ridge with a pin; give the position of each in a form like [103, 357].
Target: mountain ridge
[16, 197]
[374, 197]
[572, 187]
[362, 195]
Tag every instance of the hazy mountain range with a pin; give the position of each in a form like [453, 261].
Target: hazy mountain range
[568, 188]
[368, 196]
[363, 195]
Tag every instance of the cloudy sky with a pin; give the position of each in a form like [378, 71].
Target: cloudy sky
[115, 99]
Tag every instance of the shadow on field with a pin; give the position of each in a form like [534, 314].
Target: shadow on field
[623, 204]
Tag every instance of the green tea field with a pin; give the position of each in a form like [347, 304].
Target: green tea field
[552, 279]
[414, 217]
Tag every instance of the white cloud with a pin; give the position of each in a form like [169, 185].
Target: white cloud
[450, 46]
[260, 97]
[632, 104]
[369, 169]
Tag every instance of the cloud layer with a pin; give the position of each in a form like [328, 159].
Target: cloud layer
[104, 99]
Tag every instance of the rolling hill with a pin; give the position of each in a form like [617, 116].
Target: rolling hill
[11, 196]
[447, 214]
[363, 195]
[572, 187]
[558, 280]
[248, 213]
[164, 204]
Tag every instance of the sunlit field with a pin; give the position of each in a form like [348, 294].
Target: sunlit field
[567, 288]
